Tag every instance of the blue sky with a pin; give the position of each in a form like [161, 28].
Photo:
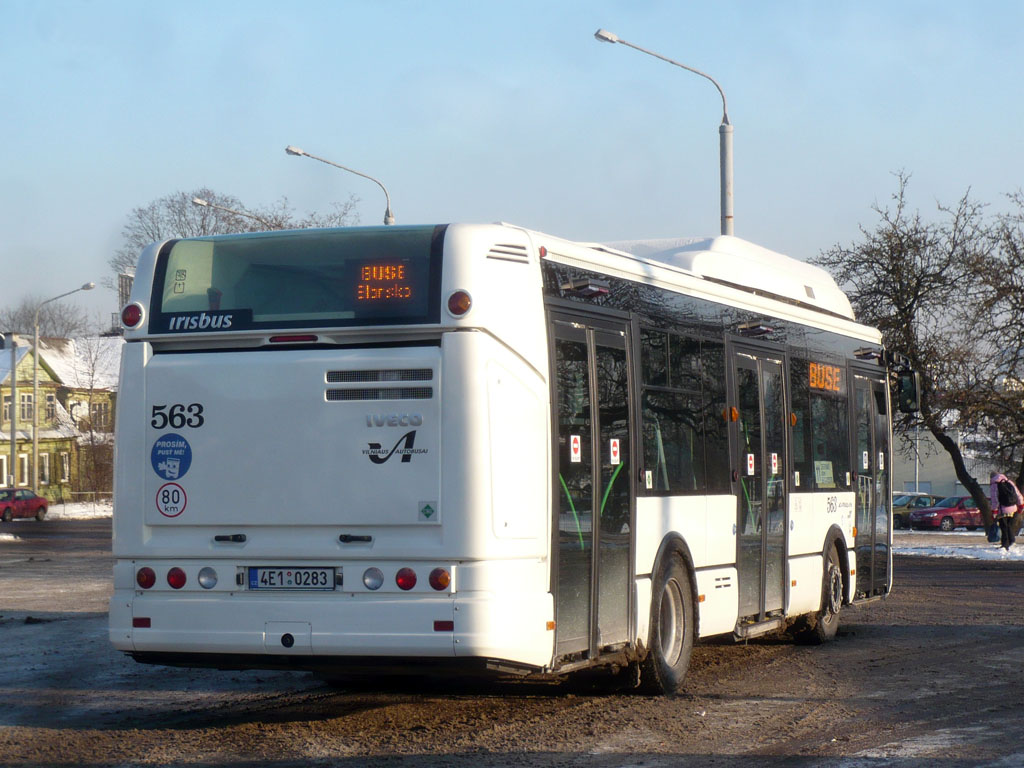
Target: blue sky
[486, 111]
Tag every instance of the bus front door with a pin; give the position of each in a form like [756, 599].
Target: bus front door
[758, 424]
[871, 461]
[592, 487]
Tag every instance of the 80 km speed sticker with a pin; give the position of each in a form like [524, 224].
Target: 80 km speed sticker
[171, 499]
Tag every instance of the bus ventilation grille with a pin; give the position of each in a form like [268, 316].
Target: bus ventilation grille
[508, 252]
[413, 374]
[383, 393]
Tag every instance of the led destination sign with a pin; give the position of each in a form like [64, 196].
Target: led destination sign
[827, 377]
[384, 282]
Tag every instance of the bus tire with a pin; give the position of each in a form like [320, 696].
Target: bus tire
[671, 633]
[823, 626]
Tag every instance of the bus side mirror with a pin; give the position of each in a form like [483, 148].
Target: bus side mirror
[3, 341]
[908, 391]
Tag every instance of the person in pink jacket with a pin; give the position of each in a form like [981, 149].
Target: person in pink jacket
[1006, 501]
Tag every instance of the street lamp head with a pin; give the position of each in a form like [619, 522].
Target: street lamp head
[199, 201]
[88, 287]
[605, 36]
[388, 217]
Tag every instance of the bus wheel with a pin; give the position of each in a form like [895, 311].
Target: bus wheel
[671, 633]
[825, 623]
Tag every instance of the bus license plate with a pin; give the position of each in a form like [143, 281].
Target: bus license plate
[291, 578]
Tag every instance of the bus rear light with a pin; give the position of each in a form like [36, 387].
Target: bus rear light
[207, 578]
[145, 577]
[299, 339]
[444, 626]
[373, 578]
[440, 579]
[405, 578]
[141, 622]
[459, 303]
[176, 578]
[131, 315]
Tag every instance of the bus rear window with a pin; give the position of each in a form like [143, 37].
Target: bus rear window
[299, 278]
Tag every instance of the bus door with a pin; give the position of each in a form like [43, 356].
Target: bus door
[871, 462]
[758, 434]
[593, 502]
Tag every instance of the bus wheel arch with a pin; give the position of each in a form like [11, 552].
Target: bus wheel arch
[822, 626]
[673, 620]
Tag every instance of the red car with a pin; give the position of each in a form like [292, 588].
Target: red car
[952, 512]
[21, 503]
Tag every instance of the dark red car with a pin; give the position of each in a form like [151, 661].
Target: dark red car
[21, 502]
[952, 512]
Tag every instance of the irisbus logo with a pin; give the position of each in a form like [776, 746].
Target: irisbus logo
[201, 321]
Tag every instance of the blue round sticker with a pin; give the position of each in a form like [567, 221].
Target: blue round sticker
[171, 456]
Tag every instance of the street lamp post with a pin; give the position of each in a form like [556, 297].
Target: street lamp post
[35, 382]
[207, 204]
[388, 218]
[724, 130]
[14, 418]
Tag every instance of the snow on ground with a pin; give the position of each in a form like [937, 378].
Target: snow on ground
[81, 510]
[970, 545]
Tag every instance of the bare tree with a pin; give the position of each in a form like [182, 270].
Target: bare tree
[917, 281]
[56, 319]
[1001, 304]
[95, 360]
[177, 216]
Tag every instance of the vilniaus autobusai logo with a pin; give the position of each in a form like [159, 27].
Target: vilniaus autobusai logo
[379, 455]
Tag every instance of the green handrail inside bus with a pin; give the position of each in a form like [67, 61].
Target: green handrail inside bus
[608, 490]
[579, 529]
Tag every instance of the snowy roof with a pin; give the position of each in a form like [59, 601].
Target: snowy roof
[64, 426]
[732, 260]
[92, 362]
[5, 362]
[24, 435]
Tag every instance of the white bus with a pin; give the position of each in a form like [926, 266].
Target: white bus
[484, 448]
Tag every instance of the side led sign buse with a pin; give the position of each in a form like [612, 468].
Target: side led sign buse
[383, 282]
[827, 377]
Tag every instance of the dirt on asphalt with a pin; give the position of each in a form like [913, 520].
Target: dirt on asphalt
[930, 676]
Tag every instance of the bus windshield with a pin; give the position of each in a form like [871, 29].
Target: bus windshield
[310, 278]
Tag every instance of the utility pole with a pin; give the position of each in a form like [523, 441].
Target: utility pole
[14, 411]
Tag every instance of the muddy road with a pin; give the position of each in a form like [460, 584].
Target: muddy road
[930, 677]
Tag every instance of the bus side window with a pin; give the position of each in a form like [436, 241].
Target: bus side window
[716, 429]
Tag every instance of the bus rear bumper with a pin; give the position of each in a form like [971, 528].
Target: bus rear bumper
[298, 631]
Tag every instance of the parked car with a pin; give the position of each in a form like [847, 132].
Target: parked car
[952, 512]
[21, 502]
[905, 503]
